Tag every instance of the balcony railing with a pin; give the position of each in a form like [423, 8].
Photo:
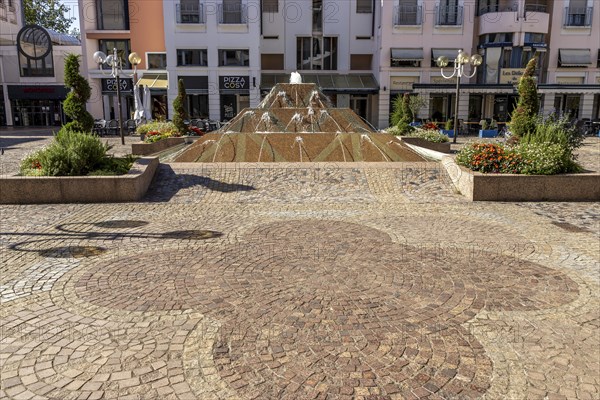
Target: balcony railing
[536, 7]
[578, 16]
[408, 15]
[511, 7]
[449, 15]
[190, 13]
[233, 14]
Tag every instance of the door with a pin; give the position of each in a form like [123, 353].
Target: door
[360, 105]
[228, 106]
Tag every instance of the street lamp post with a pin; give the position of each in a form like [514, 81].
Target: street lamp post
[460, 61]
[116, 65]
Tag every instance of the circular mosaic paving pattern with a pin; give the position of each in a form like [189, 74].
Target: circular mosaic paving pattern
[309, 308]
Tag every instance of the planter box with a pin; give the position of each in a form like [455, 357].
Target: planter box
[441, 147]
[510, 187]
[79, 189]
[449, 133]
[488, 133]
[144, 149]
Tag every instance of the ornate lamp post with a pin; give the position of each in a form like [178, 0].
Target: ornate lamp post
[460, 61]
[116, 65]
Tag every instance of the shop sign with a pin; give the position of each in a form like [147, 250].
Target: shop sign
[40, 92]
[110, 85]
[511, 75]
[238, 83]
[403, 82]
[440, 80]
[569, 80]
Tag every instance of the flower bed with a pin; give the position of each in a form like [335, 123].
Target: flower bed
[477, 186]
[80, 189]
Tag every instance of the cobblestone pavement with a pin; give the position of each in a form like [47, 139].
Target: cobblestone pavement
[363, 281]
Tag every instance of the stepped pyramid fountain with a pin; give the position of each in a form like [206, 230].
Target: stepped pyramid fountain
[297, 123]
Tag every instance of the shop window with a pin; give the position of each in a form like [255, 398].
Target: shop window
[271, 61]
[113, 14]
[360, 61]
[496, 38]
[364, 6]
[157, 60]
[122, 46]
[316, 53]
[234, 58]
[270, 6]
[535, 37]
[192, 57]
[197, 106]
[598, 62]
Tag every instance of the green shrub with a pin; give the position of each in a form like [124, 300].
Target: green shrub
[544, 159]
[180, 115]
[434, 136]
[75, 103]
[70, 154]
[523, 117]
[398, 112]
[449, 124]
[114, 166]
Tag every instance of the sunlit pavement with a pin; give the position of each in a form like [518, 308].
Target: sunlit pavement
[292, 281]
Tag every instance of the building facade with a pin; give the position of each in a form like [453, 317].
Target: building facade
[362, 53]
[129, 26]
[31, 70]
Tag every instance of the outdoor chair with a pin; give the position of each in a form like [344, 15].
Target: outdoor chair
[112, 127]
[99, 127]
[130, 126]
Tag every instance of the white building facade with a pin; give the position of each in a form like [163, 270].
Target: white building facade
[214, 47]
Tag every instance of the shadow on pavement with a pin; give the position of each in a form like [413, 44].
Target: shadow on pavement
[167, 183]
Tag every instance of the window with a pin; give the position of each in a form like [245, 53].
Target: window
[189, 57]
[364, 6]
[157, 60]
[598, 62]
[317, 53]
[189, 12]
[122, 46]
[317, 16]
[35, 52]
[496, 38]
[270, 6]
[234, 58]
[271, 61]
[408, 13]
[113, 14]
[406, 57]
[232, 12]
[535, 37]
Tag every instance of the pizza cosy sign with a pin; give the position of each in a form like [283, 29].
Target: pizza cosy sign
[238, 83]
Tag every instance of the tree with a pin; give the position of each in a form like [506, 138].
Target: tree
[523, 117]
[398, 112]
[180, 116]
[415, 103]
[74, 104]
[49, 14]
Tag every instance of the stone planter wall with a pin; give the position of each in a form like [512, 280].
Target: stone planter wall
[144, 149]
[441, 147]
[80, 189]
[509, 187]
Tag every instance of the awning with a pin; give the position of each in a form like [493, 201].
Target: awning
[350, 83]
[451, 54]
[407, 54]
[195, 84]
[574, 57]
[154, 81]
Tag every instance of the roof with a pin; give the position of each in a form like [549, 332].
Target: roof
[62, 39]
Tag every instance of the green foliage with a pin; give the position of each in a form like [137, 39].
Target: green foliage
[433, 136]
[74, 104]
[48, 14]
[490, 157]
[70, 154]
[546, 159]
[555, 130]
[398, 112]
[484, 124]
[449, 125]
[415, 103]
[523, 117]
[114, 166]
[407, 114]
[157, 130]
[180, 115]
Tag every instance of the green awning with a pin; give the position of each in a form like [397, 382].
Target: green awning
[349, 83]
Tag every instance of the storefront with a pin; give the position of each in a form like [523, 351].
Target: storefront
[37, 105]
[196, 89]
[158, 83]
[109, 95]
[356, 91]
[234, 93]
[2, 108]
